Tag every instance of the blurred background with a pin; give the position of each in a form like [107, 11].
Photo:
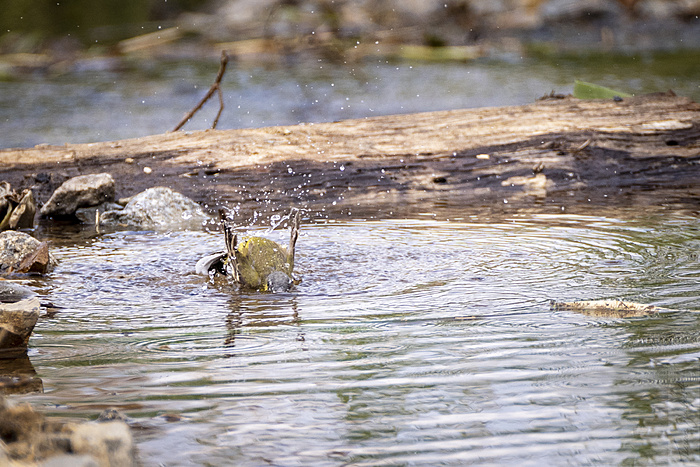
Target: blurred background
[98, 70]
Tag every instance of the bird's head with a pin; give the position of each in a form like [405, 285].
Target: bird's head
[277, 281]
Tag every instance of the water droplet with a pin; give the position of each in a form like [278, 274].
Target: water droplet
[342, 168]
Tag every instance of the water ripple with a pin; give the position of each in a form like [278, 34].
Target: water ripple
[408, 342]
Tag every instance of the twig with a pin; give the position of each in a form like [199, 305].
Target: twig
[215, 87]
[221, 107]
[583, 146]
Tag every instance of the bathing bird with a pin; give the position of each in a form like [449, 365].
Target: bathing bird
[256, 262]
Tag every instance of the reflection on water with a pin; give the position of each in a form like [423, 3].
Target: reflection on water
[17, 375]
[408, 342]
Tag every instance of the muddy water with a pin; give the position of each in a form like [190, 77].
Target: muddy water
[408, 342]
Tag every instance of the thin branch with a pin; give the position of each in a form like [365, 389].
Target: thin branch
[215, 87]
[221, 107]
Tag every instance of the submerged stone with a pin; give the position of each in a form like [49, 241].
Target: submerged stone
[78, 192]
[156, 207]
[608, 308]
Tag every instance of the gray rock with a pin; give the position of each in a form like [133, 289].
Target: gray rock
[157, 207]
[11, 292]
[78, 192]
[20, 252]
[17, 321]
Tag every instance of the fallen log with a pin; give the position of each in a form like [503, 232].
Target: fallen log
[557, 152]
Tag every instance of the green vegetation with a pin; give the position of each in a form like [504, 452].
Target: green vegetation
[584, 90]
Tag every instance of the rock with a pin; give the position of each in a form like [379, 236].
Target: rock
[11, 292]
[23, 215]
[78, 192]
[568, 10]
[17, 210]
[110, 442]
[157, 207]
[22, 253]
[608, 308]
[111, 414]
[32, 439]
[17, 321]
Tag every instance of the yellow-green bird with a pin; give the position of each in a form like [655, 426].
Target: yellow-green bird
[256, 262]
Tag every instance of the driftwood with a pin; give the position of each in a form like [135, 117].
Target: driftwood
[557, 152]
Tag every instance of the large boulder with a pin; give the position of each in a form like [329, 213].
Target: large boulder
[79, 192]
[156, 207]
[22, 253]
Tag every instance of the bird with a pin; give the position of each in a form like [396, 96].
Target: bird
[256, 262]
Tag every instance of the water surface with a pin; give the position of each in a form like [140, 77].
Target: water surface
[100, 100]
[415, 341]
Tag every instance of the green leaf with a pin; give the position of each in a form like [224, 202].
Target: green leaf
[584, 90]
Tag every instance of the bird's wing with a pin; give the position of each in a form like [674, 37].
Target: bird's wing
[208, 263]
[231, 243]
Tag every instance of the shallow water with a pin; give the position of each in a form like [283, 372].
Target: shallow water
[408, 342]
[100, 102]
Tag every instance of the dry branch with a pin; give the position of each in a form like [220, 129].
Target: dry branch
[216, 87]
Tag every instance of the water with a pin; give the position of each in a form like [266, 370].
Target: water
[416, 341]
[100, 102]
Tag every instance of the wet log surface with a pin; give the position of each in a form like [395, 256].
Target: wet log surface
[552, 153]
